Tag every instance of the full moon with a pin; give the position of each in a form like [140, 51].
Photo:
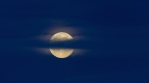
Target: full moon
[61, 52]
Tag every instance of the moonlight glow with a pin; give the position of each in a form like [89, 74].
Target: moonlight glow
[61, 52]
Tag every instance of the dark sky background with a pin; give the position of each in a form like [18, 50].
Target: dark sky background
[112, 37]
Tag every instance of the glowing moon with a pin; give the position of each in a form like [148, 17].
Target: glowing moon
[61, 52]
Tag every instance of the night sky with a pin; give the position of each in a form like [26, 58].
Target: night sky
[111, 41]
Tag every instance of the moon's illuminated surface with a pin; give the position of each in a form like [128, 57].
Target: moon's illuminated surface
[61, 52]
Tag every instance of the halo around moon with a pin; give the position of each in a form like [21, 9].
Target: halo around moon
[61, 52]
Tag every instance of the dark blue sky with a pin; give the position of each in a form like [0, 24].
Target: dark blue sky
[114, 37]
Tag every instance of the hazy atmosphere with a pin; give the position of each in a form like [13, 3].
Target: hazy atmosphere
[109, 41]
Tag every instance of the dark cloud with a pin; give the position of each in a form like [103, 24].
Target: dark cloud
[114, 36]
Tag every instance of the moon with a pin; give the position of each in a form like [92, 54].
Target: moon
[61, 52]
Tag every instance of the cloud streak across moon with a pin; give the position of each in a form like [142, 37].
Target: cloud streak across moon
[61, 52]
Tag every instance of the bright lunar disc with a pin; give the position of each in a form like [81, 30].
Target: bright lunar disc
[61, 52]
